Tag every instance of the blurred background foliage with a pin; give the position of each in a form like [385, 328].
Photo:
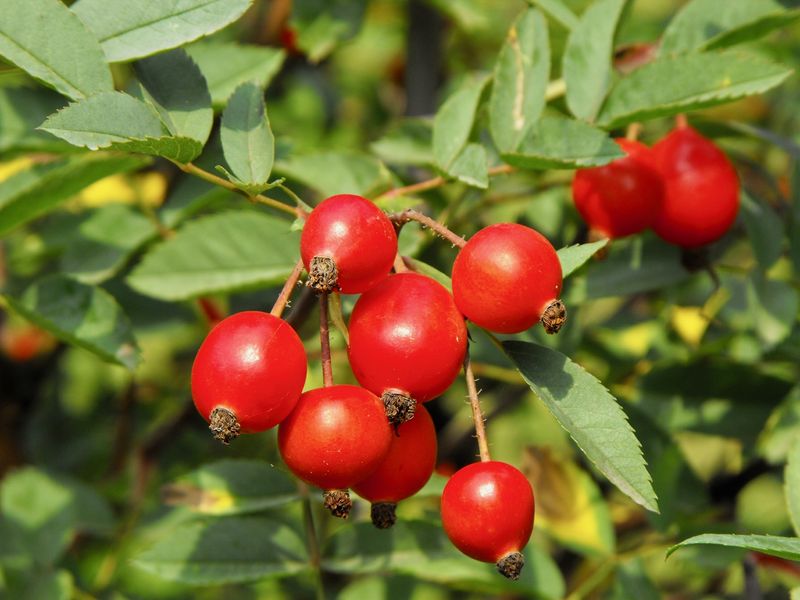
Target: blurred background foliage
[101, 463]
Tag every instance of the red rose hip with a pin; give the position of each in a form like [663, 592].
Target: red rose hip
[507, 277]
[248, 374]
[407, 340]
[622, 197]
[701, 189]
[335, 437]
[487, 512]
[347, 244]
[406, 468]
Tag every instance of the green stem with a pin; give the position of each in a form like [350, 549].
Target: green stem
[196, 171]
[314, 556]
[335, 313]
[294, 197]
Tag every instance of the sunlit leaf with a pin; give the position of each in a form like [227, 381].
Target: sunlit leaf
[591, 415]
[44, 38]
[128, 30]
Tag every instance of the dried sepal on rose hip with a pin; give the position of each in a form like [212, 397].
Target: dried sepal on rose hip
[507, 278]
[407, 342]
[335, 437]
[406, 469]
[248, 374]
[487, 512]
[701, 189]
[348, 244]
[621, 198]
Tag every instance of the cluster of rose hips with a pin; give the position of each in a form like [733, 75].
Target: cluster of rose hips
[407, 343]
[684, 188]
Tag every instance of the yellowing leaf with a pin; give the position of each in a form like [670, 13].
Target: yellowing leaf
[569, 505]
[690, 323]
[148, 189]
[710, 455]
[12, 167]
[638, 338]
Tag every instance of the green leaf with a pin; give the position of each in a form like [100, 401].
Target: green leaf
[227, 65]
[231, 550]
[322, 24]
[43, 38]
[35, 191]
[631, 267]
[119, 122]
[574, 257]
[23, 110]
[229, 487]
[105, 119]
[421, 549]
[453, 122]
[247, 140]
[128, 30]
[707, 24]
[105, 242]
[672, 85]
[764, 228]
[632, 581]
[221, 253]
[471, 166]
[774, 306]
[178, 91]
[782, 429]
[520, 78]
[407, 143]
[48, 511]
[81, 315]
[782, 547]
[432, 272]
[591, 415]
[43, 585]
[587, 67]
[338, 173]
[558, 11]
[560, 143]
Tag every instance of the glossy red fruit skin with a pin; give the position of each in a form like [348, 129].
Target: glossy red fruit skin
[356, 234]
[505, 277]
[622, 197]
[407, 334]
[408, 465]
[253, 364]
[335, 437]
[487, 510]
[701, 189]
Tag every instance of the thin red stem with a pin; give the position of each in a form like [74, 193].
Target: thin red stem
[477, 413]
[439, 228]
[436, 182]
[286, 292]
[399, 264]
[325, 341]
[681, 121]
